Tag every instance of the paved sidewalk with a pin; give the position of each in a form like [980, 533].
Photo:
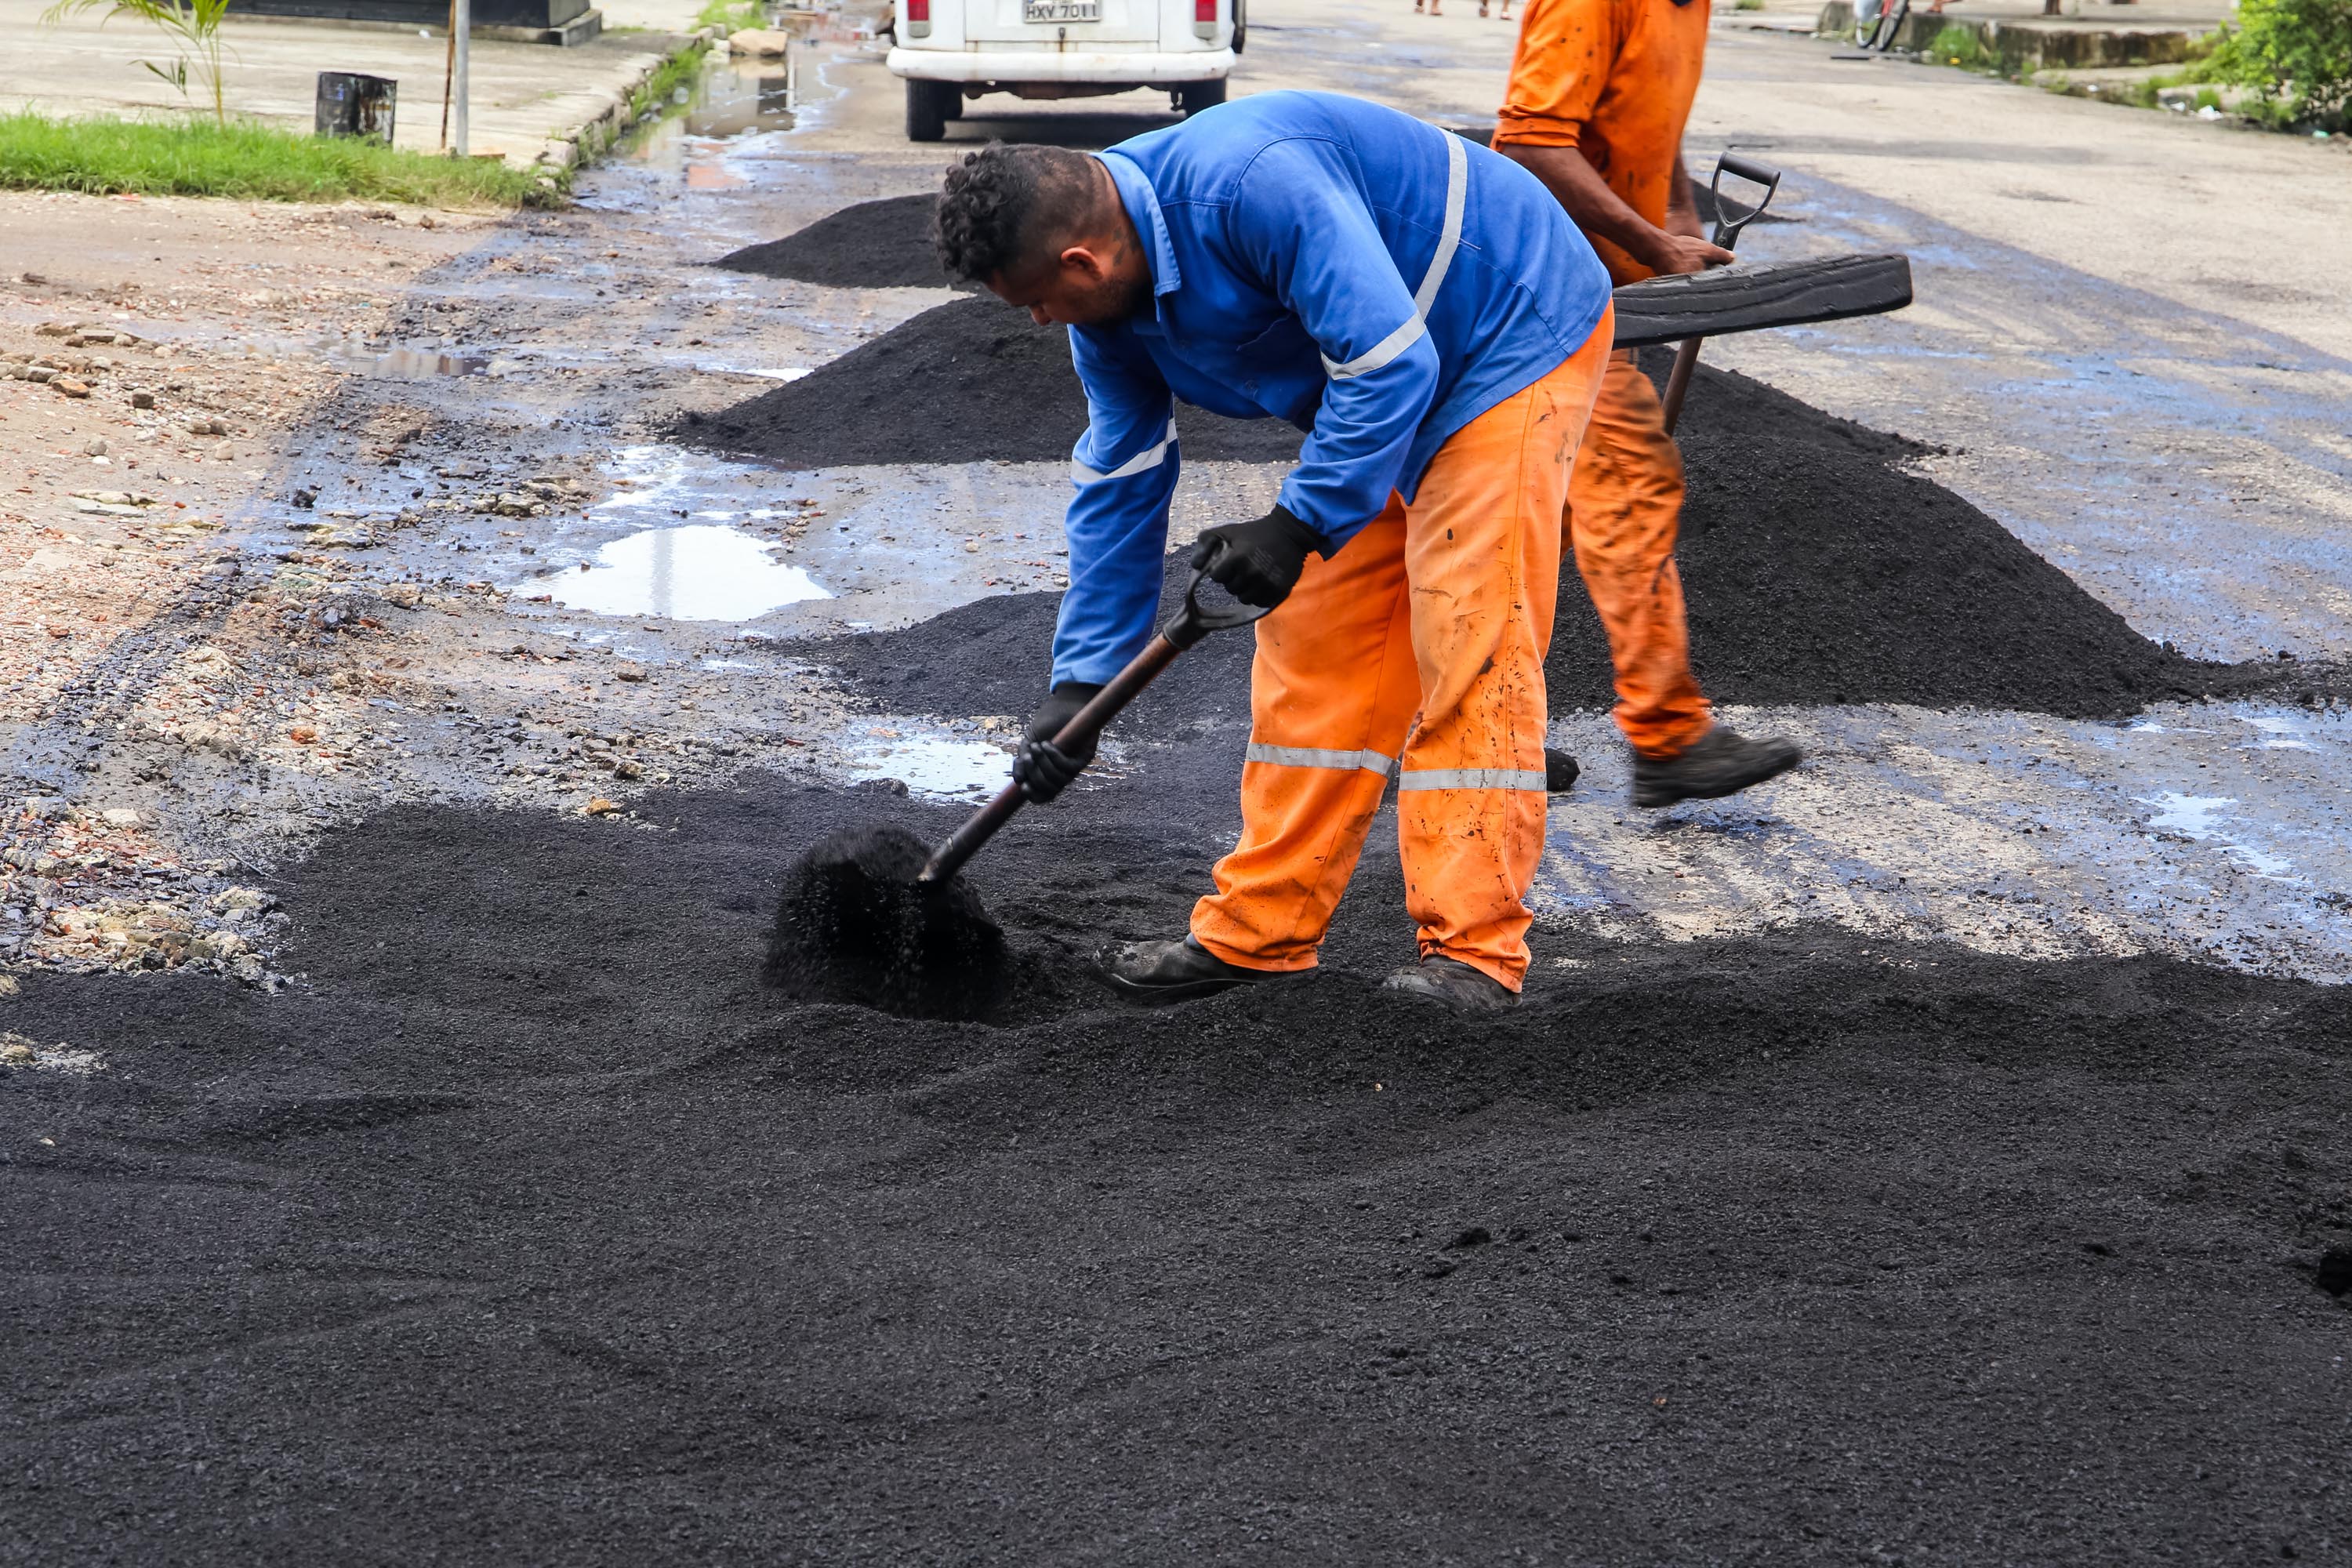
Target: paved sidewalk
[524, 95]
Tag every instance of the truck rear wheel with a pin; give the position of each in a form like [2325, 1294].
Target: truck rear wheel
[929, 106]
[1192, 97]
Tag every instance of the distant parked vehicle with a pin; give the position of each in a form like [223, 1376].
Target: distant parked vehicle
[952, 50]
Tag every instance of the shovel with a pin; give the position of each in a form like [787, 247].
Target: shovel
[1726, 234]
[1185, 629]
[864, 916]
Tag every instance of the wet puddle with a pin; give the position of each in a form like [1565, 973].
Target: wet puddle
[404, 364]
[929, 761]
[696, 571]
[735, 96]
[2199, 816]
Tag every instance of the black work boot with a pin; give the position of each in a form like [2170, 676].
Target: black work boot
[1559, 771]
[1173, 970]
[1453, 983]
[1721, 762]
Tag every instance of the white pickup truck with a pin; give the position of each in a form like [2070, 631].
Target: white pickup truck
[950, 50]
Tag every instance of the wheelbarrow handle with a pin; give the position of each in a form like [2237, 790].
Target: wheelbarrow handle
[1184, 629]
[1726, 230]
[1726, 234]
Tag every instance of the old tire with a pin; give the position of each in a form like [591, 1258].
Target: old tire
[1195, 96]
[928, 110]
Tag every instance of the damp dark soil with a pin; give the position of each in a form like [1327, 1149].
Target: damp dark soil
[531, 1228]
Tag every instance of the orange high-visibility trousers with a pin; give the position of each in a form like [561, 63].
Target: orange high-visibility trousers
[1625, 504]
[1443, 609]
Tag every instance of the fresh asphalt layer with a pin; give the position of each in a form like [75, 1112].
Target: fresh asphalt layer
[532, 1228]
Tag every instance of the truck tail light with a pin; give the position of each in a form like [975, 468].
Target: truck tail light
[1204, 19]
[918, 18]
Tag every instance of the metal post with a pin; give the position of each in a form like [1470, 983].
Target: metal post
[460, 37]
[448, 75]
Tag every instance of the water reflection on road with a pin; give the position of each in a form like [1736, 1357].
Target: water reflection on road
[699, 572]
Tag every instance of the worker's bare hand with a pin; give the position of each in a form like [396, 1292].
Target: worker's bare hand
[1677, 253]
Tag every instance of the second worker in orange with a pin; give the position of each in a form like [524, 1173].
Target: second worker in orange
[1599, 94]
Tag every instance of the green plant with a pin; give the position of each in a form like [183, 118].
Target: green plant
[658, 90]
[1748, 5]
[198, 157]
[194, 25]
[2297, 57]
[734, 15]
[1958, 46]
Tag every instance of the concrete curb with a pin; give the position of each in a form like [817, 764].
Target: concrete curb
[2034, 44]
[559, 155]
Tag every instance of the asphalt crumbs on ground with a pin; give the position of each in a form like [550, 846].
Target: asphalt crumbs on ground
[533, 1226]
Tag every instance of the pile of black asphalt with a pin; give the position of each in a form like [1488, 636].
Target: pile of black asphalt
[1819, 565]
[884, 244]
[1817, 568]
[529, 1227]
[887, 244]
[969, 382]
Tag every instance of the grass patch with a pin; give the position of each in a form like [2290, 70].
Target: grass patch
[657, 97]
[740, 14]
[1957, 45]
[247, 161]
[659, 90]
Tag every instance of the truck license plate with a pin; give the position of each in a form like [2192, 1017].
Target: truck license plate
[1061, 10]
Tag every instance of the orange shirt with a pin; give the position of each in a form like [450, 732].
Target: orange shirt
[1614, 79]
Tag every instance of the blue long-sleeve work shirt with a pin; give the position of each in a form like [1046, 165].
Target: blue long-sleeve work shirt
[1374, 280]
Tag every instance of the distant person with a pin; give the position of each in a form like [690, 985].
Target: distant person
[1507, 9]
[1598, 93]
[1426, 312]
[1433, 8]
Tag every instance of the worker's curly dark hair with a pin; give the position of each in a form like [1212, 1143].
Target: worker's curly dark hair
[995, 207]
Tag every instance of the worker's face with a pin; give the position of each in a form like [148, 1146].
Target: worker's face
[1092, 284]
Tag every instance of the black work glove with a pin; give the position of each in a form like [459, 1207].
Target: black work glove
[1258, 562]
[1041, 768]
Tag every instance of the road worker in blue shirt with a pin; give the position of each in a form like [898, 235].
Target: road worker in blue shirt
[1426, 312]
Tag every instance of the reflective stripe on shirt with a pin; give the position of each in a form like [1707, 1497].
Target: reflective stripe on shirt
[1449, 240]
[1148, 459]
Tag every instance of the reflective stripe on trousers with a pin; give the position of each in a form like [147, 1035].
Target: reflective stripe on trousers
[1444, 610]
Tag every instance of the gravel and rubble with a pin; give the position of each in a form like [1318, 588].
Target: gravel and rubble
[235, 600]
